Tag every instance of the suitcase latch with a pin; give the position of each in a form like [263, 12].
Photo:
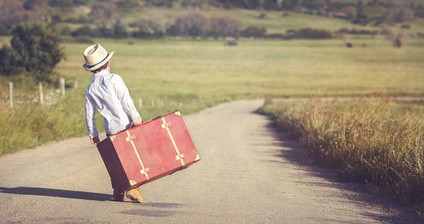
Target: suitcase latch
[145, 170]
[179, 157]
[130, 138]
[166, 125]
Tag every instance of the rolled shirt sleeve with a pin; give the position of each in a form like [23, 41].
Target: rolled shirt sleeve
[90, 118]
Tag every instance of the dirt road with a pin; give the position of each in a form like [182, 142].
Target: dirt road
[246, 175]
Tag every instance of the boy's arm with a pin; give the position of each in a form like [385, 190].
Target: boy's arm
[127, 102]
[90, 121]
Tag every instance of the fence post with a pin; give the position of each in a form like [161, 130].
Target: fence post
[10, 94]
[40, 87]
[62, 86]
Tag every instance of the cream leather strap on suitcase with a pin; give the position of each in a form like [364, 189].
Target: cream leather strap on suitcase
[144, 171]
[179, 155]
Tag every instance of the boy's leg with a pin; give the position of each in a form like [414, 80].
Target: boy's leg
[134, 195]
[118, 196]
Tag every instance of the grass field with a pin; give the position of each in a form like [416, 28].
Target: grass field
[192, 75]
[259, 68]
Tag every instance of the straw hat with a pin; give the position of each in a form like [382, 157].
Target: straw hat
[96, 56]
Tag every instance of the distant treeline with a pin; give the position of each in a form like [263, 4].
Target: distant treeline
[193, 25]
[356, 11]
[102, 18]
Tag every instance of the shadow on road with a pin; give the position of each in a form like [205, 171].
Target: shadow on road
[55, 193]
[296, 154]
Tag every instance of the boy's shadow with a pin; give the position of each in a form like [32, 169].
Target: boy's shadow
[56, 193]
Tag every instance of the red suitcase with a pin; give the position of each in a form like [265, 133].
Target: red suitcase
[149, 151]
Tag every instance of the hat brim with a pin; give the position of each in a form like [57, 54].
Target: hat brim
[97, 66]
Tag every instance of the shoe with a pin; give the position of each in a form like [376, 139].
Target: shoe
[117, 196]
[134, 195]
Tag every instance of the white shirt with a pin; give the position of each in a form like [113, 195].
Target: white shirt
[108, 94]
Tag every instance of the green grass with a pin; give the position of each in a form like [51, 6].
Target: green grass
[212, 71]
[377, 142]
[193, 75]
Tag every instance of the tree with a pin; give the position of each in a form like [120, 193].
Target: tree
[152, 27]
[224, 27]
[398, 15]
[11, 14]
[104, 13]
[193, 24]
[9, 61]
[361, 18]
[37, 10]
[37, 49]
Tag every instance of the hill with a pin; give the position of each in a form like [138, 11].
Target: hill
[155, 18]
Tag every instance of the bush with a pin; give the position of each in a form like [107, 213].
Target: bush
[254, 32]
[224, 27]
[35, 49]
[277, 36]
[398, 15]
[83, 31]
[117, 30]
[160, 3]
[360, 32]
[193, 25]
[309, 33]
[148, 28]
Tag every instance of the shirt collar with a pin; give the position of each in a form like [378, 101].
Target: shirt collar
[101, 73]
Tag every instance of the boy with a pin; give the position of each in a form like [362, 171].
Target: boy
[108, 94]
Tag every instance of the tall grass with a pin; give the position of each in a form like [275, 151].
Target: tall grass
[191, 75]
[377, 142]
[33, 124]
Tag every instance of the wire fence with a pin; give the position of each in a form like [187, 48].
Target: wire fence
[45, 96]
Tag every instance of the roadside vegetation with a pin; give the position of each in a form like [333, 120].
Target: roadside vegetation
[374, 141]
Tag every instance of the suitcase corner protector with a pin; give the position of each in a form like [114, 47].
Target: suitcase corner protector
[133, 182]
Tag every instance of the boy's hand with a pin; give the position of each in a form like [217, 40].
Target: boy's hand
[137, 121]
[94, 140]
